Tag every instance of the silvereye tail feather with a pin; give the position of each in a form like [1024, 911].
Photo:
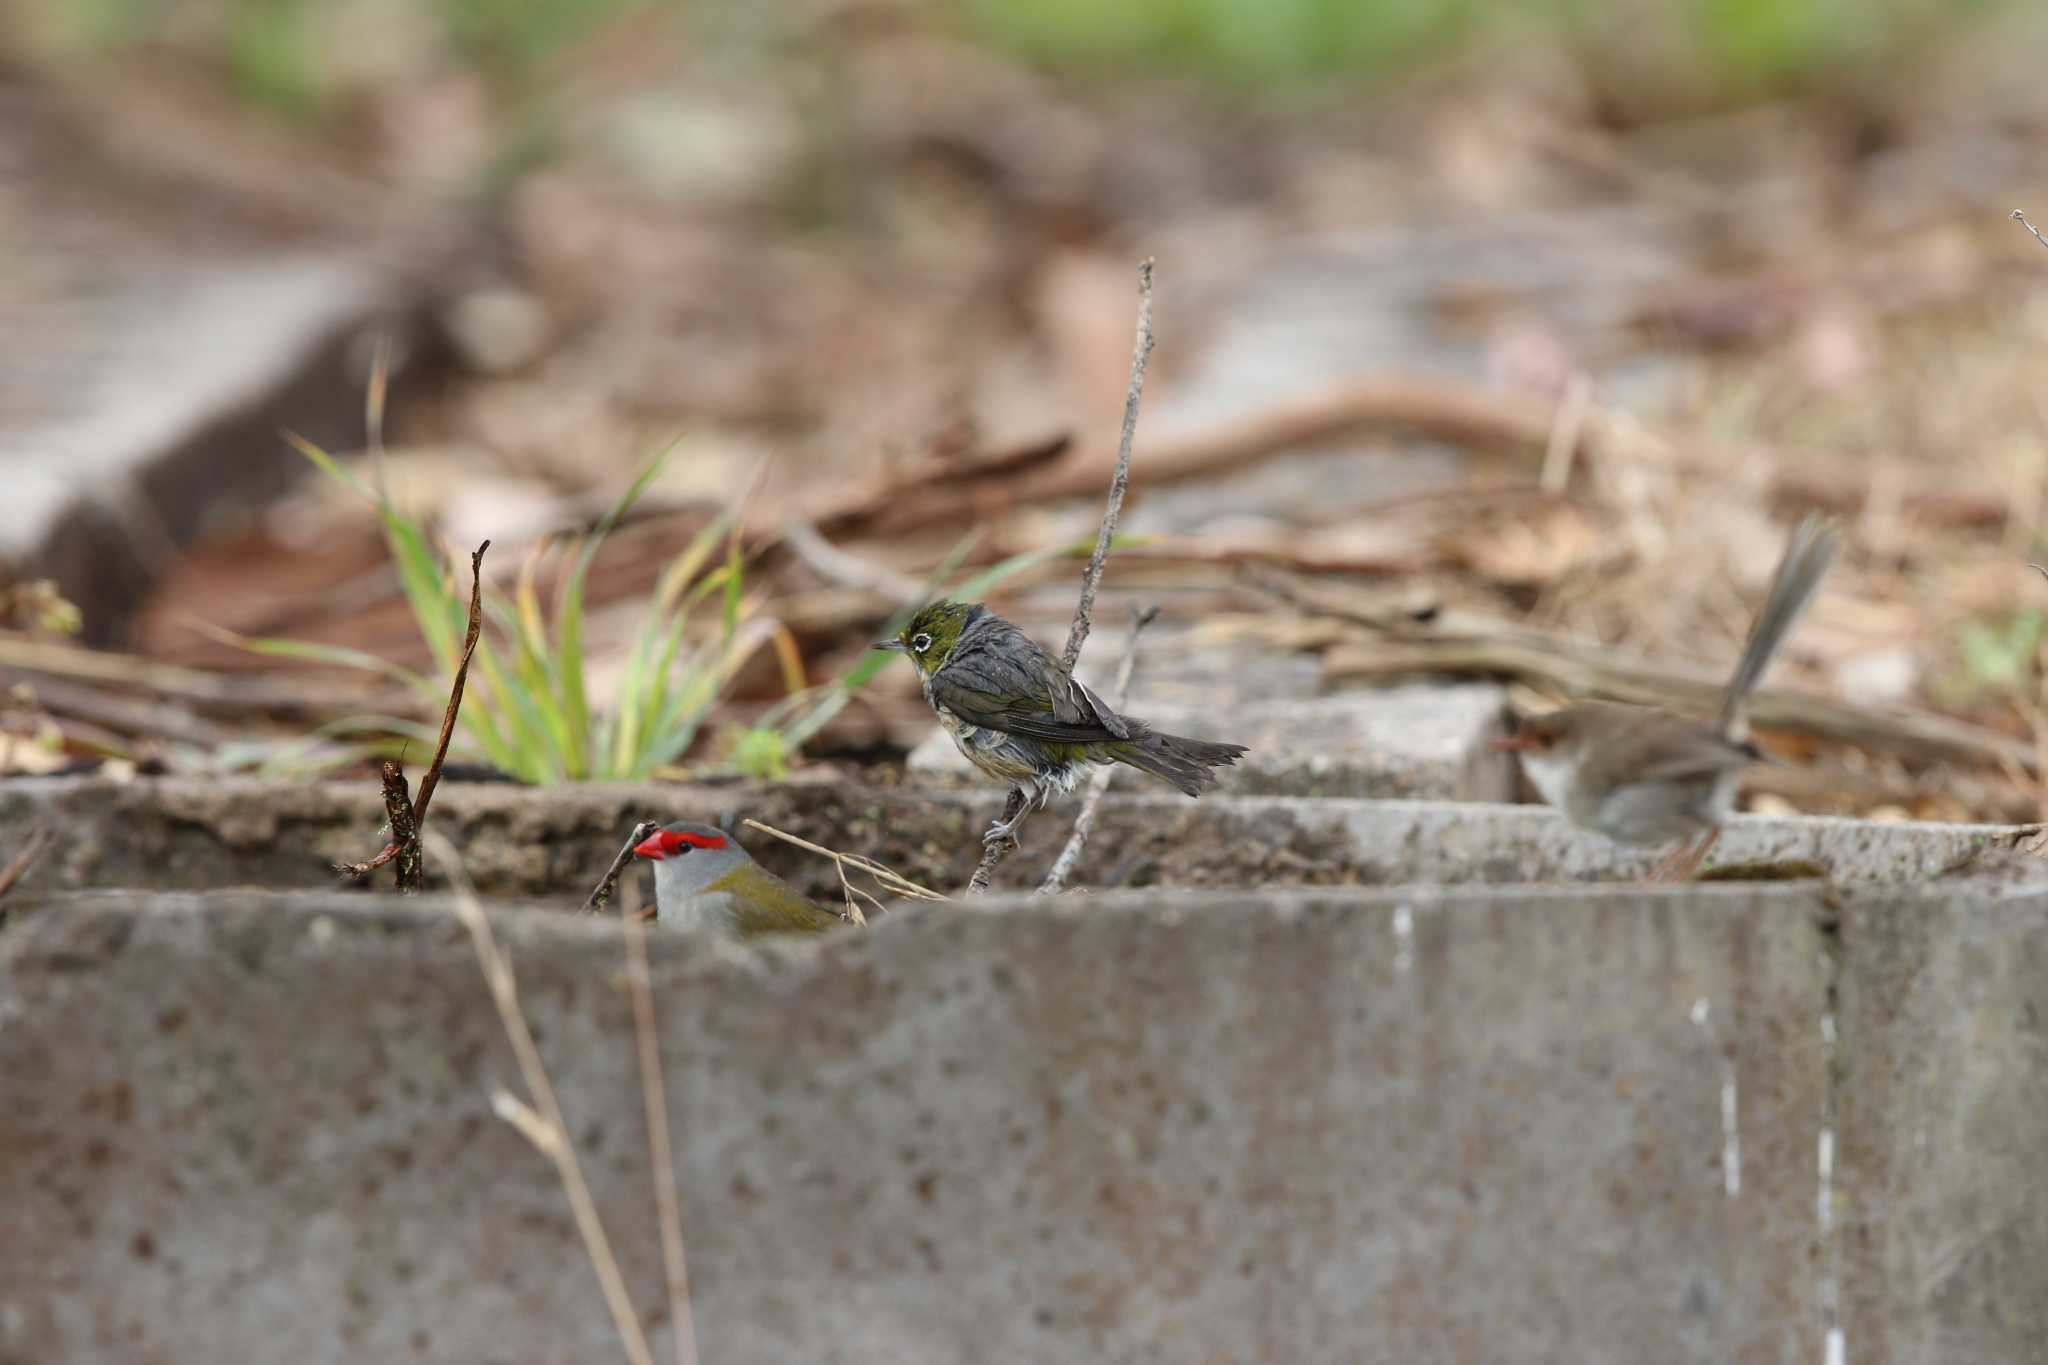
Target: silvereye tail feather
[1019, 716]
[703, 879]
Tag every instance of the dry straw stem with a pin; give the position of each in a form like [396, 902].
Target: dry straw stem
[888, 879]
[1091, 577]
[668, 1205]
[539, 1120]
[1098, 781]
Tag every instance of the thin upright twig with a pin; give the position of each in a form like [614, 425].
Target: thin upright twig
[476, 625]
[406, 815]
[1098, 781]
[996, 850]
[540, 1121]
[1091, 578]
[602, 892]
[2020, 217]
[38, 840]
[668, 1204]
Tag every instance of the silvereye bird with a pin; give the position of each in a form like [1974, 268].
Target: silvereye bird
[1641, 775]
[1019, 716]
[703, 879]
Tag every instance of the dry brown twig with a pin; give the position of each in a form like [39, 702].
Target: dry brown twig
[835, 565]
[995, 850]
[602, 892]
[18, 865]
[408, 816]
[196, 688]
[1450, 410]
[1098, 781]
[885, 876]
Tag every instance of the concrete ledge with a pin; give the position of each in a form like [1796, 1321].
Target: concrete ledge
[1940, 1206]
[1376, 1127]
[162, 403]
[177, 834]
[1424, 742]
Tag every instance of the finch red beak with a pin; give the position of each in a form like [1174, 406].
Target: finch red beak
[650, 847]
[1509, 744]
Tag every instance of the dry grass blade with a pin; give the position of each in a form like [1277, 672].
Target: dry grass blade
[888, 878]
[668, 1204]
[38, 840]
[1098, 781]
[540, 1119]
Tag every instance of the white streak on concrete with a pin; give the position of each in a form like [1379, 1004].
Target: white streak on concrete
[1731, 1135]
[1826, 1209]
[1404, 940]
[1835, 1348]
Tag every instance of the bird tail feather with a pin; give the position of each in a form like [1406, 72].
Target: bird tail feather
[1807, 556]
[1189, 764]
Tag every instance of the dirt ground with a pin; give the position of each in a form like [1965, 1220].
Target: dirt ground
[1512, 339]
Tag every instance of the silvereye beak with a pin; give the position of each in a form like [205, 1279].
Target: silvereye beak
[897, 645]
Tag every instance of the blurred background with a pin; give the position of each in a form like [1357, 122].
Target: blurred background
[1557, 314]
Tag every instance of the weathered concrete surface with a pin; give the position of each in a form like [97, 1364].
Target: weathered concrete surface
[195, 366]
[1370, 1127]
[1940, 1208]
[1426, 742]
[183, 834]
[156, 337]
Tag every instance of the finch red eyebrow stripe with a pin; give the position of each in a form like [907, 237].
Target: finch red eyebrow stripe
[675, 839]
